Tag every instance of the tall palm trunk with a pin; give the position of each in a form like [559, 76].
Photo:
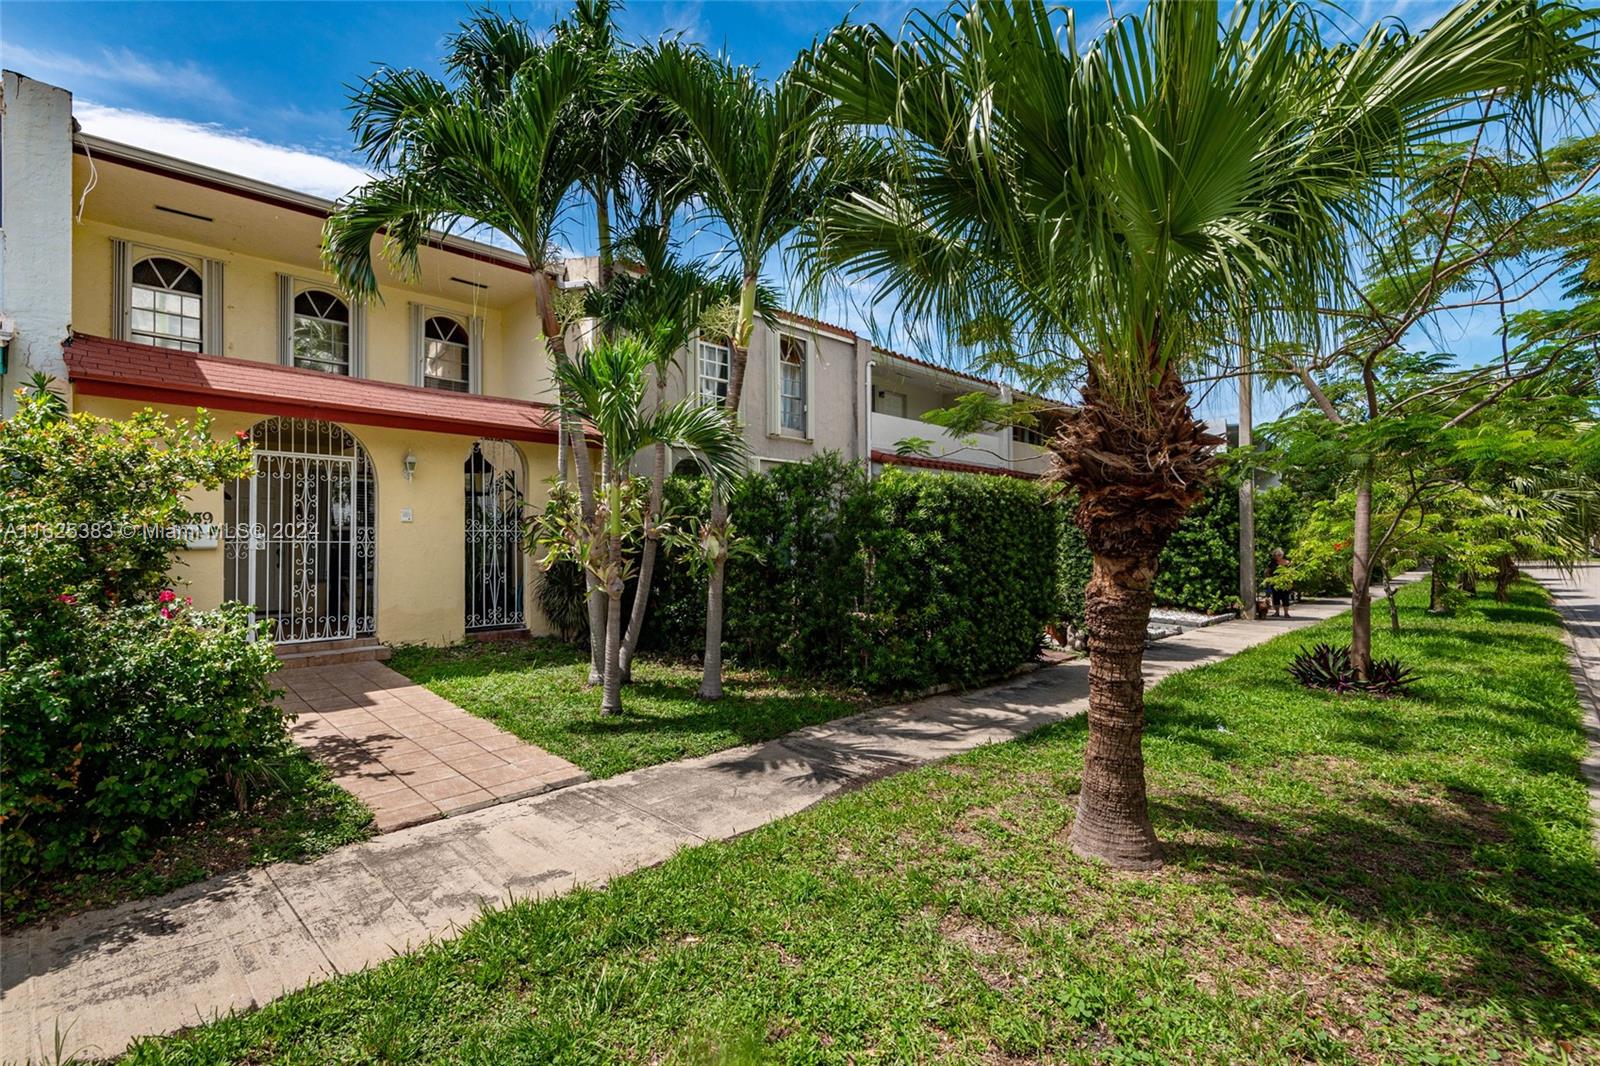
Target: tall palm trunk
[717, 525]
[611, 699]
[1505, 572]
[583, 469]
[1137, 474]
[652, 544]
[1361, 580]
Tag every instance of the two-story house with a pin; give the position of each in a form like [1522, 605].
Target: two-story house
[395, 442]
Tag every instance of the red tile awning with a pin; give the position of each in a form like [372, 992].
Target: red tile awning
[923, 462]
[99, 366]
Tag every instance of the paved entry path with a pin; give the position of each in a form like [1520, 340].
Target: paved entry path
[244, 939]
[1577, 598]
[408, 754]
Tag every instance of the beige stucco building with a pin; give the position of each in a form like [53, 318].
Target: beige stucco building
[395, 442]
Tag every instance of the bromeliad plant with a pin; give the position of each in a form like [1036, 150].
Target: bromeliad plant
[1329, 666]
[606, 387]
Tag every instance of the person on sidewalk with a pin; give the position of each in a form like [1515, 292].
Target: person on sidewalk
[1278, 583]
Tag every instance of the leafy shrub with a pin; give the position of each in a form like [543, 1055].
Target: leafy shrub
[123, 709]
[125, 720]
[901, 582]
[1327, 666]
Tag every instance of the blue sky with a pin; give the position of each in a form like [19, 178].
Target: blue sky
[260, 88]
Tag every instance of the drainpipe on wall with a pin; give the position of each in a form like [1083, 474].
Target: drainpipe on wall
[868, 451]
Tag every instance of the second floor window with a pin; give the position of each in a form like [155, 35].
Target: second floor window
[446, 355]
[321, 332]
[792, 383]
[713, 373]
[165, 304]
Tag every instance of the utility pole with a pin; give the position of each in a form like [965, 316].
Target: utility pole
[1247, 493]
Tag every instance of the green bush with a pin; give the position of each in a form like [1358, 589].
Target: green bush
[124, 710]
[897, 583]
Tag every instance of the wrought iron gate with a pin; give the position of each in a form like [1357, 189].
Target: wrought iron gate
[300, 542]
[494, 536]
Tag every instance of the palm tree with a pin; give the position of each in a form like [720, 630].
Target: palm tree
[1114, 208]
[762, 159]
[606, 386]
[493, 147]
[665, 306]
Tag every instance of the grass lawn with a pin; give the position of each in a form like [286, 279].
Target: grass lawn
[535, 689]
[299, 814]
[1349, 881]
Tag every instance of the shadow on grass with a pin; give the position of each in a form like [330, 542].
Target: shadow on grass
[1411, 862]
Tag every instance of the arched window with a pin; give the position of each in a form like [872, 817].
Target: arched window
[165, 304]
[446, 355]
[321, 332]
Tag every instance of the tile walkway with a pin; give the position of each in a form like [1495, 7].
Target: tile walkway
[244, 939]
[408, 754]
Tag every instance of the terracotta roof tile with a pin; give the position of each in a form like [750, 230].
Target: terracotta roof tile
[924, 462]
[99, 366]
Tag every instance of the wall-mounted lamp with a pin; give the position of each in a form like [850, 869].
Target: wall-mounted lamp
[411, 464]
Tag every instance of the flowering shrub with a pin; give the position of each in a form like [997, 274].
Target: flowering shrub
[124, 708]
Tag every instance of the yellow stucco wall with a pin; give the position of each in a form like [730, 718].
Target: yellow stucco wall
[421, 563]
[250, 317]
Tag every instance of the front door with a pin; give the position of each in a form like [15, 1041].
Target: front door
[300, 547]
[494, 536]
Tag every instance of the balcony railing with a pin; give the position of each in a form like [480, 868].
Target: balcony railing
[981, 449]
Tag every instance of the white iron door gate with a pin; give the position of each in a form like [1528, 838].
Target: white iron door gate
[301, 543]
[494, 536]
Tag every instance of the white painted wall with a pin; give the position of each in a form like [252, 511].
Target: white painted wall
[35, 227]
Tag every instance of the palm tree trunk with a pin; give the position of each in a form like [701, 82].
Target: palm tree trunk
[1137, 473]
[1361, 581]
[647, 557]
[611, 699]
[1439, 586]
[739, 357]
[1505, 572]
[572, 434]
[1113, 818]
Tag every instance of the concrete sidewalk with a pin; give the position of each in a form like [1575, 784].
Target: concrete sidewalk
[1576, 596]
[243, 939]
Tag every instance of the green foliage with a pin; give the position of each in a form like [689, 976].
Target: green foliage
[1441, 838]
[124, 709]
[898, 583]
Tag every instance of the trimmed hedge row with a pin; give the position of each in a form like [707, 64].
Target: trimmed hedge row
[917, 579]
[897, 583]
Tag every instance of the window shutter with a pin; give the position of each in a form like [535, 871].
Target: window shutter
[358, 339]
[416, 344]
[121, 288]
[285, 320]
[808, 369]
[213, 301]
[773, 365]
[475, 355]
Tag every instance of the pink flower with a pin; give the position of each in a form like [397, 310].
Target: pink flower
[67, 598]
[167, 596]
[188, 601]
[239, 433]
[167, 612]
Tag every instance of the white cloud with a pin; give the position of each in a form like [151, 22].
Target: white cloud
[119, 67]
[224, 149]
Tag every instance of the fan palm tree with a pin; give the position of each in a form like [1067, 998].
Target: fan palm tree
[1113, 208]
[496, 147]
[762, 159]
[606, 385]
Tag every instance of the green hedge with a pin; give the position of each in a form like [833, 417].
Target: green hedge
[897, 583]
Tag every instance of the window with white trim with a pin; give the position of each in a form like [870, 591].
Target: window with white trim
[1027, 435]
[792, 352]
[446, 355]
[165, 303]
[321, 332]
[713, 371]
